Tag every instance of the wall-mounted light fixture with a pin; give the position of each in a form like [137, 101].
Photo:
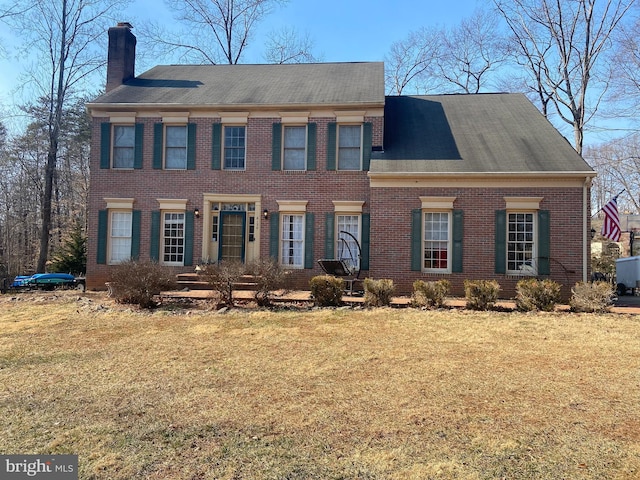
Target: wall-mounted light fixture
[196, 212]
[265, 214]
[593, 233]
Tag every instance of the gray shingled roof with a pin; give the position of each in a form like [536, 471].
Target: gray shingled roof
[254, 85]
[471, 133]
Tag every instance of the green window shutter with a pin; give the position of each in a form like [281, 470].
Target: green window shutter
[191, 146]
[138, 148]
[274, 236]
[544, 243]
[366, 240]
[458, 235]
[367, 140]
[158, 144]
[103, 226]
[309, 229]
[311, 146]
[154, 251]
[501, 241]
[135, 234]
[216, 147]
[331, 145]
[416, 240]
[329, 235]
[276, 147]
[188, 238]
[105, 145]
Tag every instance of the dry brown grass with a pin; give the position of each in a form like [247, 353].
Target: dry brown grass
[366, 394]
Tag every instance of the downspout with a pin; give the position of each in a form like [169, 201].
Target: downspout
[586, 215]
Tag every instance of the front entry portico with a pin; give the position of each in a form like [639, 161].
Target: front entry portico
[231, 228]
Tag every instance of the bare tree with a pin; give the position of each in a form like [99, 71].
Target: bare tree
[464, 58]
[627, 79]
[411, 62]
[288, 46]
[471, 52]
[66, 36]
[211, 31]
[563, 45]
[618, 165]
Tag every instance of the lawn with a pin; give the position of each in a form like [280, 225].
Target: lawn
[319, 394]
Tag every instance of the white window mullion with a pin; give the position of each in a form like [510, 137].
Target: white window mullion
[437, 242]
[292, 240]
[120, 236]
[173, 238]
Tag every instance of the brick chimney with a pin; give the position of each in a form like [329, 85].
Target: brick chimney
[121, 58]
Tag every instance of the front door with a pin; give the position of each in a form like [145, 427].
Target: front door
[232, 236]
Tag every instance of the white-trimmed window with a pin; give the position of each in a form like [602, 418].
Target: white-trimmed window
[436, 221]
[294, 147]
[521, 245]
[120, 228]
[349, 147]
[436, 242]
[234, 147]
[292, 240]
[173, 226]
[124, 137]
[347, 238]
[175, 153]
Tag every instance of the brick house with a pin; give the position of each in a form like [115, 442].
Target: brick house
[196, 163]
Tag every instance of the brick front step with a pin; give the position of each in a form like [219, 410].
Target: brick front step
[193, 281]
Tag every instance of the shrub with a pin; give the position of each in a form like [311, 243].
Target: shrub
[71, 255]
[430, 294]
[269, 276]
[377, 293]
[137, 282]
[534, 294]
[327, 290]
[481, 294]
[222, 278]
[591, 297]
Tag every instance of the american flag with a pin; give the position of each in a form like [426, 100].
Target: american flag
[611, 224]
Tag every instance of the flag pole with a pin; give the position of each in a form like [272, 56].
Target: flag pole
[614, 198]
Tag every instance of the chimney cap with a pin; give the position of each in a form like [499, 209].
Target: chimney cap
[125, 24]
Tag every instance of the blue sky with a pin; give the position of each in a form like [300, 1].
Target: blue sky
[344, 30]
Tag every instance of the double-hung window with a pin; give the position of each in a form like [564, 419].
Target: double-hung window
[349, 147]
[437, 232]
[173, 239]
[124, 137]
[295, 151]
[120, 229]
[175, 154]
[234, 147]
[437, 242]
[292, 240]
[348, 242]
[118, 235]
[521, 253]
[523, 237]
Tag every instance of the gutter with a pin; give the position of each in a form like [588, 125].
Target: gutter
[586, 215]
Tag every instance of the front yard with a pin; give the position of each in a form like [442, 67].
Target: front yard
[326, 393]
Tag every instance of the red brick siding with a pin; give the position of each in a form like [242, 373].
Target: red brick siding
[318, 187]
[390, 208]
[391, 234]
